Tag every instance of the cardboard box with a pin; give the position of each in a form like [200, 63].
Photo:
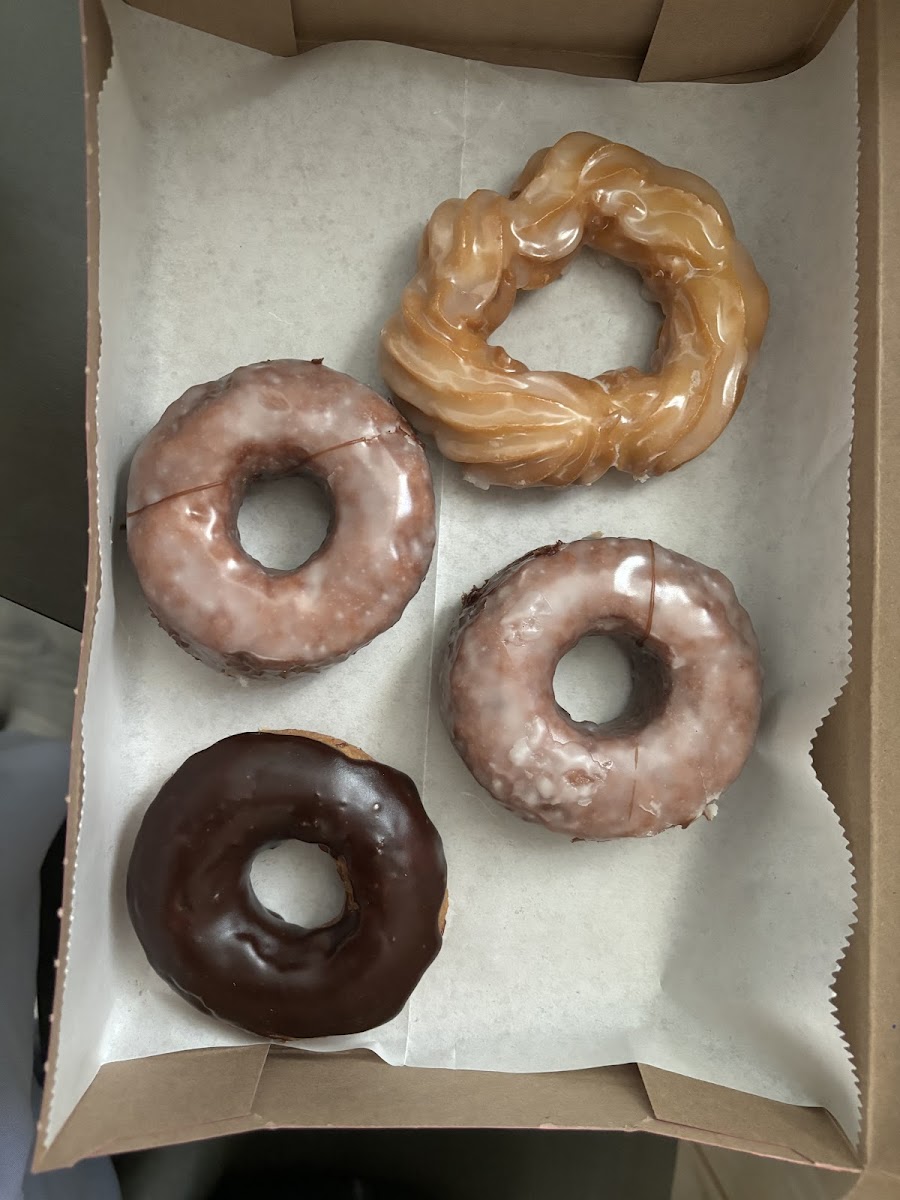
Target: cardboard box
[711, 1173]
[197, 1094]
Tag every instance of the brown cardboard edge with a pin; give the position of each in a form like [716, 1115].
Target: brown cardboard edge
[844, 742]
[266, 25]
[80, 1140]
[875, 1185]
[876, 557]
[198, 1094]
[176, 1098]
[96, 54]
[679, 47]
[859, 756]
[570, 62]
[271, 28]
[269, 25]
[160, 1101]
[274, 32]
[764, 1127]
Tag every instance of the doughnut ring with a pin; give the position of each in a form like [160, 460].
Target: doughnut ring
[189, 477]
[510, 425]
[204, 930]
[694, 708]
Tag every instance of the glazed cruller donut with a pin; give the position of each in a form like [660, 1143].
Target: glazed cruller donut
[511, 425]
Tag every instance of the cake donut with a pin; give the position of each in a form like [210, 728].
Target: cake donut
[508, 424]
[208, 936]
[189, 477]
[693, 713]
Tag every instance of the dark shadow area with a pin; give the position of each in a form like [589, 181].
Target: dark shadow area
[459, 1164]
[43, 494]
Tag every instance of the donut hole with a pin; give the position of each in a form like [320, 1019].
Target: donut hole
[612, 680]
[595, 318]
[298, 882]
[593, 681]
[283, 520]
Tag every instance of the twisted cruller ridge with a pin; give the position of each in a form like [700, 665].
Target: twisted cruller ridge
[510, 425]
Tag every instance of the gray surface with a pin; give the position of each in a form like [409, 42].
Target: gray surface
[43, 502]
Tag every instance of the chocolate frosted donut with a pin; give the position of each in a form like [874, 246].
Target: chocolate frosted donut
[189, 477]
[209, 937]
[694, 708]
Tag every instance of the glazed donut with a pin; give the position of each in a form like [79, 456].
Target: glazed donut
[510, 425]
[694, 708]
[189, 477]
[208, 936]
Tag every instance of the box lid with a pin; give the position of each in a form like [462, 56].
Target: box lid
[650, 39]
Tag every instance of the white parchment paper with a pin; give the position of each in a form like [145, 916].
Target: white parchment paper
[256, 208]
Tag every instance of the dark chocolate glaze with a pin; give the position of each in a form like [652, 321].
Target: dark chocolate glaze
[208, 936]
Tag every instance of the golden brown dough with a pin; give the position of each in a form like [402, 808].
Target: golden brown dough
[510, 425]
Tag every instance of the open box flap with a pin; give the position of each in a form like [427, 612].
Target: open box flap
[762, 1126]
[199, 1094]
[701, 39]
[650, 39]
[265, 25]
[161, 1101]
